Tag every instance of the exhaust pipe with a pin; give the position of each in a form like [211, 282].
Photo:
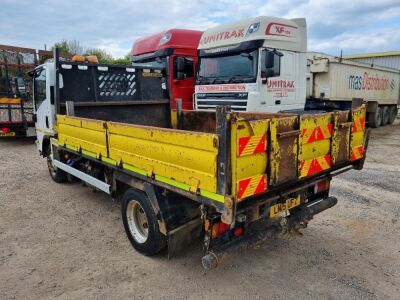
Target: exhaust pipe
[214, 257]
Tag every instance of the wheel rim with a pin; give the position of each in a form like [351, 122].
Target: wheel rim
[137, 221]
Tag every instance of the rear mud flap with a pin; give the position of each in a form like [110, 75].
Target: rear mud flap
[182, 236]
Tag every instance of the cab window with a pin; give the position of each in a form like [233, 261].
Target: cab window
[40, 87]
[188, 70]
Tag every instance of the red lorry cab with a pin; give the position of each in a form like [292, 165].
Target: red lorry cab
[176, 50]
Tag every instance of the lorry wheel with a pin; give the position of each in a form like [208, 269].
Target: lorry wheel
[392, 114]
[141, 224]
[375, 118]
[385, 115]
[56, 174]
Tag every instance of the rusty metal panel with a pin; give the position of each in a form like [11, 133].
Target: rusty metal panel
[340, 137]
[283, 149]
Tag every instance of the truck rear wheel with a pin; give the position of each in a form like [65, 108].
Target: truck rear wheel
[56, 174]
[392, 114]
[385, 115]
[141, 224]
[375, 118]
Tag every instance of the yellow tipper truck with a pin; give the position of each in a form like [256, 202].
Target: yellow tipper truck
[236, 178]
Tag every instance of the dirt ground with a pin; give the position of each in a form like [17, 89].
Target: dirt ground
[65, 241]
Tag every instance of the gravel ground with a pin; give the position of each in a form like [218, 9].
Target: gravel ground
[66, 241]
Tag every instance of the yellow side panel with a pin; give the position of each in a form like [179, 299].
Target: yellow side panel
[184, 156]
[249, 155]
[82, 134]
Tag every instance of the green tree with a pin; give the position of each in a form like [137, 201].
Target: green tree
[126, 60]
[73, 46]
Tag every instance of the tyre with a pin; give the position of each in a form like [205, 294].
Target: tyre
[56, 174]
[141, 224]
[375, 118]
[385, 115]
[392, 114]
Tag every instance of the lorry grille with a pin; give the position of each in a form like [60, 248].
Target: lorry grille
[237, 101]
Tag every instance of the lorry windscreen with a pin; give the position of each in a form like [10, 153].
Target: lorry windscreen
[233, 68]
[157, 63]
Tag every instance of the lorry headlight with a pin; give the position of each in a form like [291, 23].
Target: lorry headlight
[253, 28]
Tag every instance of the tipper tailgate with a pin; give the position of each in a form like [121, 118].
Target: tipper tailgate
[269, 150]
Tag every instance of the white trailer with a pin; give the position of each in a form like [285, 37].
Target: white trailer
[333, 83]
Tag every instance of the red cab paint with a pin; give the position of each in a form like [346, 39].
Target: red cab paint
[163, 49]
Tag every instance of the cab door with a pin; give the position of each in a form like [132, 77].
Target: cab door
[182, 80]
[43, 109]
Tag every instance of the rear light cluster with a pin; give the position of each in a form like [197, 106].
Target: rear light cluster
[219, 228]
[321, 186]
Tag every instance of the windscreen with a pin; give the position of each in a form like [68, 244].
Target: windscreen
[233, 68]
[154, 62]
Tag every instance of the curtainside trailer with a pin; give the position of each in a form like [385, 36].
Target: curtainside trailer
[235, 178]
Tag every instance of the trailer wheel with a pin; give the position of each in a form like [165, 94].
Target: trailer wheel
[385, 115]
[392, 114]
[140, 222]
[56, 174]
[375, 118]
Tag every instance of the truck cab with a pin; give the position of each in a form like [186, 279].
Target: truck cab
[256, 65]
[176, 51]
[84, 88]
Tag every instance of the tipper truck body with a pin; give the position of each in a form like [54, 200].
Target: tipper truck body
[235, 178]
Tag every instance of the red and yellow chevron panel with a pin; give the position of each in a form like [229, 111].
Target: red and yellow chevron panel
[359, 124]
[357, 152]
[357, 135]
[310, 135]
[10, 101]
[315, 165]
[251, 186]
[249, 145]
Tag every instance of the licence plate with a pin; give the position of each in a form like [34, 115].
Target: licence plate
[7, 133]
[284, 207]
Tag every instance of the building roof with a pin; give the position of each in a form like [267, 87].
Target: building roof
[376, 54]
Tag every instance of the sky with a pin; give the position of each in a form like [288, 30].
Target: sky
[353, 26]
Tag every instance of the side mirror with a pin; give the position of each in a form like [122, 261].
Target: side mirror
[269, 59]
[180, 75]
[180, 64]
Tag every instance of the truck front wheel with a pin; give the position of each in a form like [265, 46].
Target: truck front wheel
[375, 118]
[56, 174]
[140, 222]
